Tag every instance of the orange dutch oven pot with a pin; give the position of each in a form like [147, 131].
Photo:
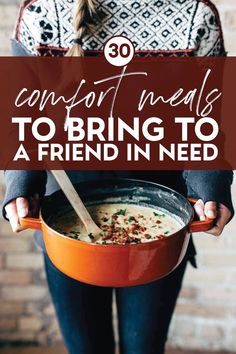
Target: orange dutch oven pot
[118, 265]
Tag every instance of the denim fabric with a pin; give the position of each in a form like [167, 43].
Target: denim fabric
[85, 313]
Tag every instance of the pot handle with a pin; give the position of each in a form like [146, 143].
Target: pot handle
[31, 223]
[200, 226]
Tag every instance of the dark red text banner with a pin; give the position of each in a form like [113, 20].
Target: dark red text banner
[85, 114]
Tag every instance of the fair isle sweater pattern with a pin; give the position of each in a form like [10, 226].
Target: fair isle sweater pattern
[156, 27]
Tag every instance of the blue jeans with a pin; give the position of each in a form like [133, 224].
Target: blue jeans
[85, 313]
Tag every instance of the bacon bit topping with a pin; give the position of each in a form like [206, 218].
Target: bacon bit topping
[131, 218]
[122, 227]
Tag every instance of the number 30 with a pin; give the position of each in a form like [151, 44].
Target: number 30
[122, 50]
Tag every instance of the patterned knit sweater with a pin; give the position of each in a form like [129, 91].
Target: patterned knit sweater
[156, 27]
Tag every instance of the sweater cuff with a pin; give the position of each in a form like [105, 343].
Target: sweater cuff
[211, 186]
[23, 184]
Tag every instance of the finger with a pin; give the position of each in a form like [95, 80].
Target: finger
[215, 231]
[224, 216]
[22, 206]
[12, 215]
[210, 210]
[199, 208]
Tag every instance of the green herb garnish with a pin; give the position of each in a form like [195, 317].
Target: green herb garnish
[166, 233]
[157, 214]
[91, 236]
[120, 212]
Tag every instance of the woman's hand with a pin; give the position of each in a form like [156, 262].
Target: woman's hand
[220, 213]
[20, 208]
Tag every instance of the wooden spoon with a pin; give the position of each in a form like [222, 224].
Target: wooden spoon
[77, 204]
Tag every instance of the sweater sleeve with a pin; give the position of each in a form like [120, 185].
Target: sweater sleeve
[23, 184]
[210, 186]
[206, 31]
[24, 32]
[206, 34]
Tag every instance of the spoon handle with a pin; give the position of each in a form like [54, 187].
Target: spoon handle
[74, 199]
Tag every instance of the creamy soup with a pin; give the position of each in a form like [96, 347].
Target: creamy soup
[120, 224]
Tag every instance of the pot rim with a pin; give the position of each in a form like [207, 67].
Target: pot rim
[142, 244]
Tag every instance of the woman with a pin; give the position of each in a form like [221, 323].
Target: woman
[156, 27]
